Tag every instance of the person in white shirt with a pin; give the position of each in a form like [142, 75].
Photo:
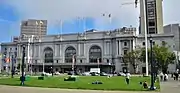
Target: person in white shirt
[161, 76]
[127, 78]
[165, 77]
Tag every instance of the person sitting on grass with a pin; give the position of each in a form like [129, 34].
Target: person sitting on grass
[145, 85]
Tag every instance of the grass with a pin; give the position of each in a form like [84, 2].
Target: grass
[83, 82]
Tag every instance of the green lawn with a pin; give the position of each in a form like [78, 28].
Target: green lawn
[83, 82]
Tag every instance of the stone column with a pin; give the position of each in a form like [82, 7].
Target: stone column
[117, 48]
[120, 50]
[105, 47]
[79, 49]
[130, 45]
[60, 50]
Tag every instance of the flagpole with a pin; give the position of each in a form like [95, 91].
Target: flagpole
[32, 39]
[110, 20]
[145, 30]
[61, 28]
[84, 26]
[28, 55]
[73, 63]
[98, 62]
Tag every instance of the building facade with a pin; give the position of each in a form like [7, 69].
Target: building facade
[34, 27]
[93, 49]
[154, 16]
[89, 50]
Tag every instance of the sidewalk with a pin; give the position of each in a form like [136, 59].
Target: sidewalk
[170, 86]
[13, 89]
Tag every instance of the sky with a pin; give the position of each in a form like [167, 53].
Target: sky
[72, 13]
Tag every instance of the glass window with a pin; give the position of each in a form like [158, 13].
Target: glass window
[125, 52]
[125, 43]
[48, 55]
[143, 43]
[70, 53]
[95, 54]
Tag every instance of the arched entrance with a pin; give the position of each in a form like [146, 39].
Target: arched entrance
[70, 57]
[95, 54]
[48, 58]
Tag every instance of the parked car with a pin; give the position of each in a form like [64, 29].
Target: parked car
[94, 74]
[57, 73]
[71, 73]
[121, 74]
[86, 74]
[46, 74]
[103, 74]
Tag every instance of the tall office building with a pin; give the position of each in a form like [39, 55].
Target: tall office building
[34, 27]
[154, 16]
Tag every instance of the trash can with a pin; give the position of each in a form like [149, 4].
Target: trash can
[27, 78]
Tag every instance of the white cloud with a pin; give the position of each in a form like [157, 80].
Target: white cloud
[69, 9]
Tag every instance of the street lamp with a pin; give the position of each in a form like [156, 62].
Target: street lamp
[52, 69]
[12, 66]
[73, 62]
[152, 67]
[22, 67]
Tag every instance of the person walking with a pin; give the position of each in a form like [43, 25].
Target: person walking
[161, 76]
[128, 78]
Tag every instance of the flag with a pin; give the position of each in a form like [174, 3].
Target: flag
[136, 1]
[109, 16]
[73, 61]
[110, 19]
[7, 60]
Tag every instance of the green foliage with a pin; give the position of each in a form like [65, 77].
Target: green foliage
[162, 55]
[83, 82]
[133, 57]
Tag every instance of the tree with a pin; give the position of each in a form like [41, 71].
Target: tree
[162, 56]
[133, 57]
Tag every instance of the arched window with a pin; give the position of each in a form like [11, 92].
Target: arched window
[48, 55]
[70, 53]
[95, 54]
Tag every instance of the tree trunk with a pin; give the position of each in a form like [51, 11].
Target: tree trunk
[164, 69]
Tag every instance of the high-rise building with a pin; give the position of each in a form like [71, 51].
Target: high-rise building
[34, 27]
[154, 16]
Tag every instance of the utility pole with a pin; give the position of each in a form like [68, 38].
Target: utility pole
[22, 66]
[12, 67]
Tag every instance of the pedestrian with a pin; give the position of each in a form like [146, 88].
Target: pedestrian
[161, 76]
[165, 77]
[128, 78]
[176, 76]
[145, 85]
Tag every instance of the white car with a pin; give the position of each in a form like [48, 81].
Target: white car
[57, 73]
[46, 74]
[86, 74]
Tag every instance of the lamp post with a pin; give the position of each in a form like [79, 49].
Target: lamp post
[52, 70]
[73, 62]
[152, 66]
[52, 67]
[12, 66]
[22, 66]
[98, 62]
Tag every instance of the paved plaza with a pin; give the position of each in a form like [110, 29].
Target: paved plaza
[166, 87]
